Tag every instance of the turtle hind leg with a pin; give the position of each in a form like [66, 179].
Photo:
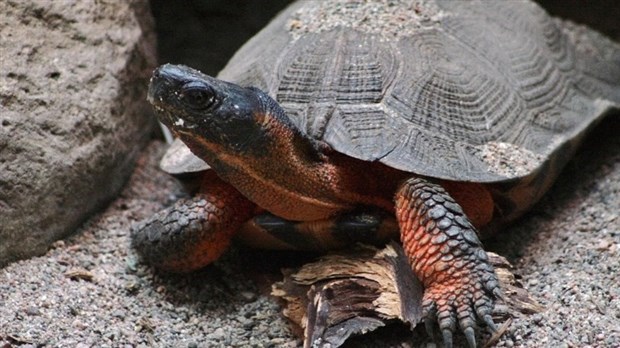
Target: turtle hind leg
[193, 232]
[446, 255]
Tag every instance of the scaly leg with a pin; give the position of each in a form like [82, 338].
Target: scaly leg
[193, 232]
[447, 256]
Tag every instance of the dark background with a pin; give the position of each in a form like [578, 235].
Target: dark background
[204, 34]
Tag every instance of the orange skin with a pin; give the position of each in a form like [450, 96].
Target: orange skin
[226, 210]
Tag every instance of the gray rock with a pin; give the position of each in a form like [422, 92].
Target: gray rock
[73, 114]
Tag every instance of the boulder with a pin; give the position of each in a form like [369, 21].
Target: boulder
[73, 114]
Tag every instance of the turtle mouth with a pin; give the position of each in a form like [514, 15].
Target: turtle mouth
[173, 120]
[169, 116]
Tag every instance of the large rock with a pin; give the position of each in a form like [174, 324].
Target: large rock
[73, 114]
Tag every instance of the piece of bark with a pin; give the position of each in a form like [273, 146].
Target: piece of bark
[357, 291]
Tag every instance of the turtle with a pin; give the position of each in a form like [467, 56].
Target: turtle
[434, 122]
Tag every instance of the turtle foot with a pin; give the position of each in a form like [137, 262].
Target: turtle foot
[193, 232]
[183, 237]
[462, 300]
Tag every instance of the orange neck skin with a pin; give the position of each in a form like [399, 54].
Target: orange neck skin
[296, 180]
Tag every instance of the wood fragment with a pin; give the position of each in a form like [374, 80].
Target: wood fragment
[79, 273]
[498, 334]
[357, 291]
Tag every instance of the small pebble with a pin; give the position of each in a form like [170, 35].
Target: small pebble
[217, 335]
[32, 310]
[118, 314]
[537, 318]
[80, 325]
[248, 295]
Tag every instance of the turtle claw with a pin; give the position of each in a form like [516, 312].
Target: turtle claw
[488, 321]
[498, 293]
[430, 328]
[447, 338]
[429, 315]
[470, 335]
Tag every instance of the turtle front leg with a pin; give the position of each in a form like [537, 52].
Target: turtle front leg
[193, 232]
[446, 255]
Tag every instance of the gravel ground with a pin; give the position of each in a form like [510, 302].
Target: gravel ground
[90, 290]
[568, 251]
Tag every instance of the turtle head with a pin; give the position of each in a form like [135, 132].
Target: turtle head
[240, 132]
[204, 110]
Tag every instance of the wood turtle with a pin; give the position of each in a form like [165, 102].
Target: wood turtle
[354, 120]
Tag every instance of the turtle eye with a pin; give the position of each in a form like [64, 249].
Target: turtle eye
[198, 96]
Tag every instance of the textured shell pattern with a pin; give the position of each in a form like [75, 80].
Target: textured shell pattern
[483, 91]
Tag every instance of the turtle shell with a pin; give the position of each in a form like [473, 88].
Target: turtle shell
[482, 91]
